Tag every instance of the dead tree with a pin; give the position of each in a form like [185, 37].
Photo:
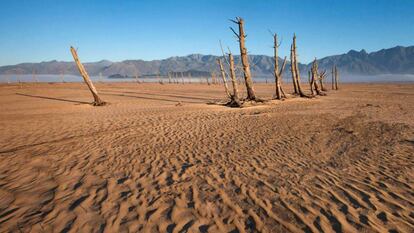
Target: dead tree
[223, 76]
[311, 79]
[234, 100]
[97, 101]
[244, 58]
[322, 77]
[278, 73]
[321, 80]
[293, 70]
[169, 77]
[296, 69]
[333, 77]
[314, 79]
[159, 77]
[213, 77]
[336, 78]
[182, 78]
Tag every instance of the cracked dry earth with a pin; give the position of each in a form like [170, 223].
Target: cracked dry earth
[143, 163]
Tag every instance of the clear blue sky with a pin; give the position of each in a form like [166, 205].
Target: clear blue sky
[40, 30]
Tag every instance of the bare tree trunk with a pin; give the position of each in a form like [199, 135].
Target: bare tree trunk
[333, 78]
[292, 70]
[169, 77]
[317, 77]
[336, 78]
[223, 76]
[311, 80]
[323, 88]
[322, 77]
[278, 73]
[97, 101]
[297, 73]
[244, 58]
[213, 77]
[235, 101]
[276, 70]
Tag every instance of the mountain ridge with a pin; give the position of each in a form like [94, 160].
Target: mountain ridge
[395, 60]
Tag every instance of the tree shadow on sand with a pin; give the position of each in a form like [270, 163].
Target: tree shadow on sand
[151, 98]
[53, 98]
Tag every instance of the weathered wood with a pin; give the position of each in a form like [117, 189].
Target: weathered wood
[280, 79]
[311, 80]
[315, 77]
[97, 100]
[296, 67]
[244, 58]
[235, 101]
[333, 78]
[321, 79]
[336, 78]
[169, 77]
[293, 71]
[223, 76]
[182, 78]
[278, 73]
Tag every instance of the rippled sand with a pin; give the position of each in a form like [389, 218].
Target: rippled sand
[159, 159]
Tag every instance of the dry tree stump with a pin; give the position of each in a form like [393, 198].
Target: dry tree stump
[278, 73]
[244, 59]
[97, 100]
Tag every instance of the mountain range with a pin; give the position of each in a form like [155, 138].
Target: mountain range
[396, 60]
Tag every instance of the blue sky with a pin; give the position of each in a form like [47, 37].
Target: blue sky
[43, 30]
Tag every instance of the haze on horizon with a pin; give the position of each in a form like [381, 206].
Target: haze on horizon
[35, 31]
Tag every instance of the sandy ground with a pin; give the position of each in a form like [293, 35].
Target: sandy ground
[144, 163]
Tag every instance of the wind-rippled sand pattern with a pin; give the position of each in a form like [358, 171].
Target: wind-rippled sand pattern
[159, 159]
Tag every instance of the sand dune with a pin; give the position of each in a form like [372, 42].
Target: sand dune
[158, 158]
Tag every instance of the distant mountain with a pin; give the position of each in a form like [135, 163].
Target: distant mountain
[397, 60]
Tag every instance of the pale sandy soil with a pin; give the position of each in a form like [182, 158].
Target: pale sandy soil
[340, 163]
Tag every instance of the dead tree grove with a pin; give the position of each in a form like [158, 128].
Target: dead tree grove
[97, 101]
[244, 58]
